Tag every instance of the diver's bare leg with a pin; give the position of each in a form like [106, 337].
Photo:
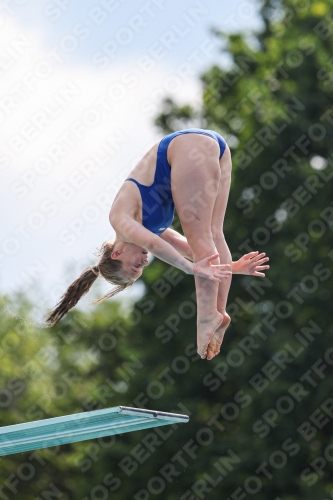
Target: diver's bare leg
[195, 179]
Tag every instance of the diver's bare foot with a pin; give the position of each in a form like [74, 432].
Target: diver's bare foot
[206, 329]
[217, 339]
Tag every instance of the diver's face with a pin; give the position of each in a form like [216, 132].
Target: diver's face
[133, 258]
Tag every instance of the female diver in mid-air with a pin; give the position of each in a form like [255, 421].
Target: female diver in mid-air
[189, 170]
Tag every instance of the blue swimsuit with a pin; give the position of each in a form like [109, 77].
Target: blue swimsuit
[157, 204]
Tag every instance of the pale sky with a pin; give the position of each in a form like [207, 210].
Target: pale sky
[80, 84]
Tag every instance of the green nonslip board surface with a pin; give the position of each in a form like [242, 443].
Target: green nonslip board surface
[80, 427]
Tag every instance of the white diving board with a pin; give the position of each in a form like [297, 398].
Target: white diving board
[80, 427]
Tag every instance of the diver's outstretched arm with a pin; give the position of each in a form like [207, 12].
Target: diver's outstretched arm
[132, 231]
[250, 263]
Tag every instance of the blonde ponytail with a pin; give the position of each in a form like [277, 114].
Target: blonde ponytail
[73, 294]
[110, 269]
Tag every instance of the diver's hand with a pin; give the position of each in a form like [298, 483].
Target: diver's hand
[206, 269]
[251, 264]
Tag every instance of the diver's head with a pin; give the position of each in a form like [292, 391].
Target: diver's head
[120, 263]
